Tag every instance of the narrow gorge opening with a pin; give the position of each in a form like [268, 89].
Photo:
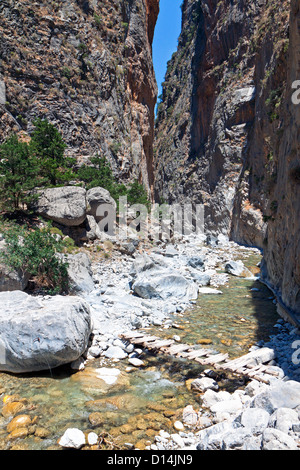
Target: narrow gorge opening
[167, 31]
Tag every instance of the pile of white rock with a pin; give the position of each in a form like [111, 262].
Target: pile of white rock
[286, 345]
[141, 290]
[109, 346]
[259, 417]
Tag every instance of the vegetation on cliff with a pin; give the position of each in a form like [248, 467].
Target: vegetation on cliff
[40, 162]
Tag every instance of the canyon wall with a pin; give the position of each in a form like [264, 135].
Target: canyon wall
[230, 62]
[227, 132]
[282, 244]
[86, 66]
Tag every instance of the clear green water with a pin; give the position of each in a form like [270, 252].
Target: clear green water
[233, 321]
[144, 400]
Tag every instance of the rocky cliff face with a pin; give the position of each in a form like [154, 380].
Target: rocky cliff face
[86, 66]
[230, 60]
[282, 243]
[227, 132]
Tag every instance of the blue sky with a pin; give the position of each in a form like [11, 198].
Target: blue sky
[167, 31]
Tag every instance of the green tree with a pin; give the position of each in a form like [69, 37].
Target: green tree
[97, 174]
[48, 146]
[101, 174]
[19, 173]
[35, 252]
[137, 194]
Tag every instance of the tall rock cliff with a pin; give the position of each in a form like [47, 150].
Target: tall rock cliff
[229, 62]
[227, 131]
[282, 243]
[86, 66]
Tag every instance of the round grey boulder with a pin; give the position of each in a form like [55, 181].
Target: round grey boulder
[41, 333]
[65, 205]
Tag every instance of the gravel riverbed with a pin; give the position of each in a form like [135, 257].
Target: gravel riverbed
[145, 288]
[256, 416]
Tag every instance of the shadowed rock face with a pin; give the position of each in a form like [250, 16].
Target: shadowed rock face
[214, 129]
[86, 66]
[282, 244]
[227, 133]
[208, 108]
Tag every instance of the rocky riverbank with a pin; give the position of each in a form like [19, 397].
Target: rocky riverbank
[145, 287]
[141, 287]
[165, 280]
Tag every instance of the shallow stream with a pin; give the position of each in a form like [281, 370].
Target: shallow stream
[141, 401]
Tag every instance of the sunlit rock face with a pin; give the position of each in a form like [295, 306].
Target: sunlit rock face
[86, 66]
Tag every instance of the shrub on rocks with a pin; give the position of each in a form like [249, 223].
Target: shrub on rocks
[33, 254]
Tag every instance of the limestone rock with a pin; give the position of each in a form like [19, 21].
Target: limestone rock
[39, 334]
[95, 198]
[280, 395]
[73, 438]
[255, 419]
[196, 262]
[273, 439]
[190, 417]
[65, 205]
[92, 438]
[237, 268]
[93, 231]
[80, 273]
[209, 290]
[163, 285]
[284, 419]
[134, 361]
[204, 384]
[232, 406]
[141, 264]
[115, 352]
[12, 280]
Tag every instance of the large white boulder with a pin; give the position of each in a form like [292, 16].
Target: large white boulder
[153, 279]
[80, 273]
[65, 205]
[96, 197]
[41, 333]
[165, 285]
